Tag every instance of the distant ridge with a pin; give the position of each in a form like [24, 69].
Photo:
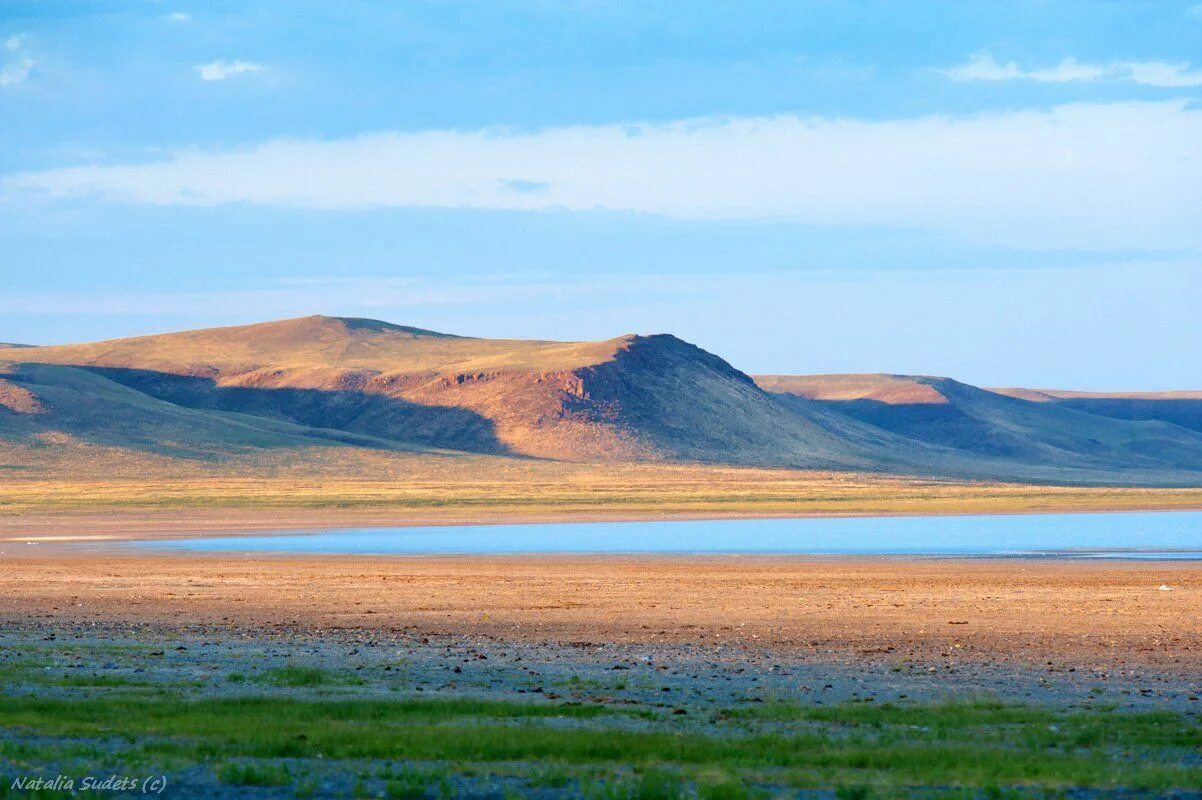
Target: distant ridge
[989, 425]
[349, 382]
[885, 388]
[315, 342]
[1073, 394]
[1177, 408]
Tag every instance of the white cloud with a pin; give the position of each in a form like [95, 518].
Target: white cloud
[179, 16]
[220, 70]
[17, 72]
[1196, 11]
[1158, 73]
[984, 67]
[1080, 175]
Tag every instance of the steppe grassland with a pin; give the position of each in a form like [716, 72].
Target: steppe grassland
[95, 479]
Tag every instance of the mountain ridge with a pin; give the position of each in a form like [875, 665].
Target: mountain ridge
[353, 382]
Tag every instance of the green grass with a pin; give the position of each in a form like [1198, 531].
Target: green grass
[253, 774]
[410, 784]
[979, 744]
[990, 721]
[300, 677]
[109, 681]
[38, 672]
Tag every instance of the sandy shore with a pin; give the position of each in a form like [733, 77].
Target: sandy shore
[1081, 615]
[128, 525]
[133, 524]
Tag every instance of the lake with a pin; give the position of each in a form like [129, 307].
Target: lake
[1143, 535]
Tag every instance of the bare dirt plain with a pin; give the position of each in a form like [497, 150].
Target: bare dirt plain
[1098, 618]
[725, 651]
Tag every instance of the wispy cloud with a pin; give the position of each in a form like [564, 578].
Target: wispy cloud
[296, 297]
[519, 185]
[15, 73]
[18, 71]
[220, 70]
[1158, 73]
[984, 67]
[178, 16]
[1080, 175]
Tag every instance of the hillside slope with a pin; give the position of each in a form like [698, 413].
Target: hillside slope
[52, 406]
[634, 397]
[336, 382]
[992, 427]
[1178, 408]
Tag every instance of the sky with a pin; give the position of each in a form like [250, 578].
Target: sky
[1008, 193]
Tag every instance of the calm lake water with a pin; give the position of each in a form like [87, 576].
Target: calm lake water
[1152, 535]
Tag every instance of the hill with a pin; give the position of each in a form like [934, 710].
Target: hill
[1178, 408]
[633, 397]
[49, 406]
[329, 382]
[988, 427]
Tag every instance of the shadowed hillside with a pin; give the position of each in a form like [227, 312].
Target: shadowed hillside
[629, 398]
[990, 427]
[51, 406]
[1178, 408]
[334, 382]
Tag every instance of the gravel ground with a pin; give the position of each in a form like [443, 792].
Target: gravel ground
[682, 686]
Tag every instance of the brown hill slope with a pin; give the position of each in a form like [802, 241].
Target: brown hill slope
[52, 407]
[325, 346]
[335, 382]
[991, 426]
[634, 397]
[1178, 408]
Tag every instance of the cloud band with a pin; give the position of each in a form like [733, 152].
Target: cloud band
[1084, 175]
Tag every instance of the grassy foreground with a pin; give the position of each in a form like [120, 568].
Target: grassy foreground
[302, 731]
[421, 748]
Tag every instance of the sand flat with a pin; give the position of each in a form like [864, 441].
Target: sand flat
[1074, 615]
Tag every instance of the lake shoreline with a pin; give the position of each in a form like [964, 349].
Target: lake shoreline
[522, 663]
[1160, 536]
[123, 524]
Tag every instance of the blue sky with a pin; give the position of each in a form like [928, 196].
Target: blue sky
[1007, 192]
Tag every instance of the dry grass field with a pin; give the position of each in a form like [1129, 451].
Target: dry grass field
[108, 495]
